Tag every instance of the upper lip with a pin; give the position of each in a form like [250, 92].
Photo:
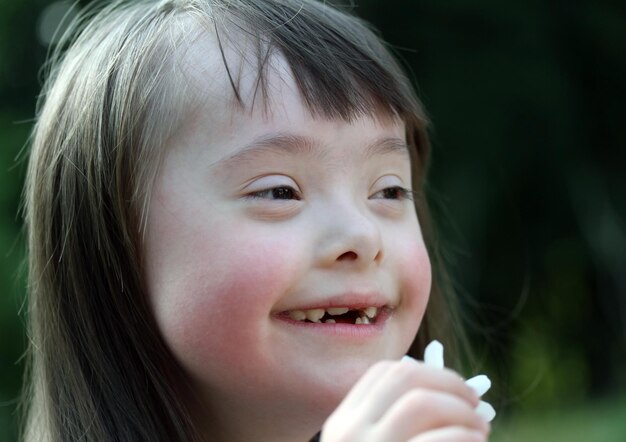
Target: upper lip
[352, 300]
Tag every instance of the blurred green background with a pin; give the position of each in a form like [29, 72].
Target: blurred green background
[528, 103]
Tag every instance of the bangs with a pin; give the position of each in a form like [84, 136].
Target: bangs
[341, 68]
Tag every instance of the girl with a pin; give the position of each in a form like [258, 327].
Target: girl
[227, 231]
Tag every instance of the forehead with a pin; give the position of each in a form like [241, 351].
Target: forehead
[232, 75]
[223, 74]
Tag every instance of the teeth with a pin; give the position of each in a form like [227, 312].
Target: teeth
[315, 315]
[297, 315]
[336, 311]
[371, 312]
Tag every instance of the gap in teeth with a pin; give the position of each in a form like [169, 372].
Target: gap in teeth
[331, 315]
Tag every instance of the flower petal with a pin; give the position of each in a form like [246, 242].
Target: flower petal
[433, 354]
[480, 384]
[486, 411]
[409, 358]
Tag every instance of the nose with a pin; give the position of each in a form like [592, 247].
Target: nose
[350, 237]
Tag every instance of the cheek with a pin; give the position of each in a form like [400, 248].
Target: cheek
[214, 291]
[415, 277]
[417, 271]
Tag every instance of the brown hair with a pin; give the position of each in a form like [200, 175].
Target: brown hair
[99, 369]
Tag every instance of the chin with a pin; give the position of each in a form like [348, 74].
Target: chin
[326, 389]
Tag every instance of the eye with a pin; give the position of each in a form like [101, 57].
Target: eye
[393, 193]
[276, 193]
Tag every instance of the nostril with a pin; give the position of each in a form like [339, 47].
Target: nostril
[347, 256]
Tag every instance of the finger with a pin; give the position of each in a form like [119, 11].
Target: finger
[424, 410]
[450, 434]
[405, 376]
[362, 388]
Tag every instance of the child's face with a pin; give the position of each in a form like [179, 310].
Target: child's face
[254, 217]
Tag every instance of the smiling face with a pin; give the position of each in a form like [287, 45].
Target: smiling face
[261, 220]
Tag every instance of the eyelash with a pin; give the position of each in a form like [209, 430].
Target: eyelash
[401, 193]
[275, 193]
[289, 193]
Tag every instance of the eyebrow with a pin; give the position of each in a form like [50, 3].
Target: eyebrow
[292, 144]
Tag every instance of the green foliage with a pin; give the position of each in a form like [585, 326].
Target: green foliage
[596, 421]
[20, 60]
[11, 279]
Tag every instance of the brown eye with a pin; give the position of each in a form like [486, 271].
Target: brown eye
[283, 193]
[277, 193]
[393, 193]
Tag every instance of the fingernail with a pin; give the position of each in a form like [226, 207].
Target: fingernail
[486, 411]
[480, 384]
[408, 358]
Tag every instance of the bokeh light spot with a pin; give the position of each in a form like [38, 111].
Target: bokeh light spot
[53, 22]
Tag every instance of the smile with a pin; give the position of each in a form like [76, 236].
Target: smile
[336, 315]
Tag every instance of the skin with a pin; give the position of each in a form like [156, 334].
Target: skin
[258, 213]
[407, 401]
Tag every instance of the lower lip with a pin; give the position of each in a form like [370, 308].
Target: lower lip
[343, 330]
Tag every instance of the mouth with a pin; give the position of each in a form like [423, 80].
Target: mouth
[336, 315]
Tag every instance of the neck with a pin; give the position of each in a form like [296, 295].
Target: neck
[231, 422]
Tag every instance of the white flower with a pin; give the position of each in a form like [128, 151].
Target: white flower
[433, 356]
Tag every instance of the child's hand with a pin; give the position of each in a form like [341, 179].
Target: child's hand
[400, 401]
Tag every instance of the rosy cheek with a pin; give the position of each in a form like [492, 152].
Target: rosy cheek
[214, 320]
[416, 279]
[422, 271]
